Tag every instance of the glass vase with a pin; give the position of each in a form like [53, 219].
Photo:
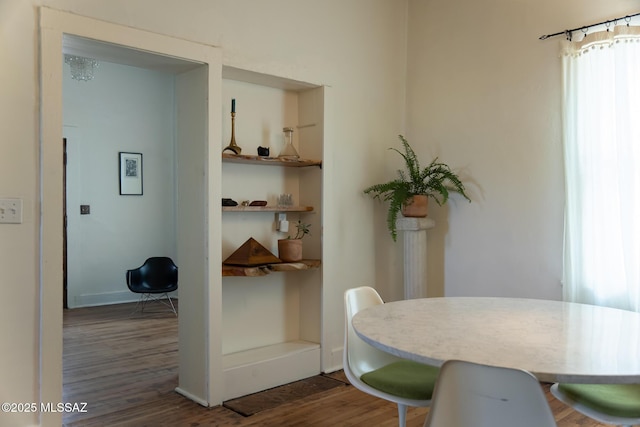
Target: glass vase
[288, 151]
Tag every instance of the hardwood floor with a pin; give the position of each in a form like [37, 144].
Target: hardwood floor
[124, 367]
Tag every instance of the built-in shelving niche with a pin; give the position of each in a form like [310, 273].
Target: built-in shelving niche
[271, 322]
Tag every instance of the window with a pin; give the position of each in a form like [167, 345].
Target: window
[601, 107]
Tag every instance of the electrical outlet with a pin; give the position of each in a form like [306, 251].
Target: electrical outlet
[10, 211]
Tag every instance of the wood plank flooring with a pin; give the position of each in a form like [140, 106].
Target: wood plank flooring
[124, 367]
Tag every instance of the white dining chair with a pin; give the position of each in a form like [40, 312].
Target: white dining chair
[616, 404]
[473, 395]
[381, 374]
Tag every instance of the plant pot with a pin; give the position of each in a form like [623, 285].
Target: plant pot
[416, 206]
[290, 250]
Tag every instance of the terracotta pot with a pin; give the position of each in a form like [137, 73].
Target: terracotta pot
[416, 206]
[290, 250]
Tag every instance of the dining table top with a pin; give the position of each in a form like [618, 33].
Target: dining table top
[556, 341]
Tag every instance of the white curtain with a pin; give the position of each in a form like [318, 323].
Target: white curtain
[601, 107]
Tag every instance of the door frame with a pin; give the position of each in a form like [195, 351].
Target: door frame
[65, 304]
[202, 326]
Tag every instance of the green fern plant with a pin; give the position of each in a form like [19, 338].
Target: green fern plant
[436, 180]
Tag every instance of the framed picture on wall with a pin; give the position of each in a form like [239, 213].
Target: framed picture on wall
[130, 174]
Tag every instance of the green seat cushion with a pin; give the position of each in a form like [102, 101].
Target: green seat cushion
[405, 378]
[622, 400]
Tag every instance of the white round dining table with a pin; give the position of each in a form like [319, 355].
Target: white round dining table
[555, 341]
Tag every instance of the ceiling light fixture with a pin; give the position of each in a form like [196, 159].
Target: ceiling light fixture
[81, 68]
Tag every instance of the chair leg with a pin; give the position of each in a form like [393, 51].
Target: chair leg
[146, 297]
[140, 304]
[402, 415]
[172, 307]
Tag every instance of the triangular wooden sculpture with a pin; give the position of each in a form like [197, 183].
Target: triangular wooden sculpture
[251, 253]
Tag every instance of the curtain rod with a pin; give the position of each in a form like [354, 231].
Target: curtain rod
[569, 32]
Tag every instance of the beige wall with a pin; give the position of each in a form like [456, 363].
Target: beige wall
[484, 96]
[355, 47]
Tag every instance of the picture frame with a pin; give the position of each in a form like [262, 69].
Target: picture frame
[130, 173]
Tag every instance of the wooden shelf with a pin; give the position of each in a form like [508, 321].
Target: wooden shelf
[263, 270]
[267, 209]
[269, 161]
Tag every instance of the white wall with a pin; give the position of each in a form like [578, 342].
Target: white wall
[356, 47]
[483, 93]
[485, 97]
[260, 114]
[122, 109]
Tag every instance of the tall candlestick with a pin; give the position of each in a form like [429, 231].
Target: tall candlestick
[232, 145]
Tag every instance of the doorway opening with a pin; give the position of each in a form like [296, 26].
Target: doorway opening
[195, 95]
[127, 109]
[129, 106]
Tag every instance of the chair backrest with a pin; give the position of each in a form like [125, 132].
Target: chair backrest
[470, 394]
[158, 274]
[360, 357]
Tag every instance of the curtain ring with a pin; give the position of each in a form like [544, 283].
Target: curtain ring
[607, 24]
[584, 31]
[627, 19]
[568, 34]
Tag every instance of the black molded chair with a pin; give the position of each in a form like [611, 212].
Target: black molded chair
[152, 280]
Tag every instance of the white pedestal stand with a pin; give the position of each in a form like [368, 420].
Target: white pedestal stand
[415, 255]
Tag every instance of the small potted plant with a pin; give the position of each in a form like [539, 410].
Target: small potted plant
[290, 249]
[409, 192]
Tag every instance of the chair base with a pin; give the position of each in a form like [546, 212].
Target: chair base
[144, 298]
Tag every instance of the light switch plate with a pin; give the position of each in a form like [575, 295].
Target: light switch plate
[10, 211]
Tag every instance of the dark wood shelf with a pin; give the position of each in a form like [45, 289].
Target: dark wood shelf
[269, 161]
[263, 270]
[267, 209]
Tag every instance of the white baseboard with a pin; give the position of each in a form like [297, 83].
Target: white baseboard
[258, 369]
[106, 298]
[335, 360]
[193, 397]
